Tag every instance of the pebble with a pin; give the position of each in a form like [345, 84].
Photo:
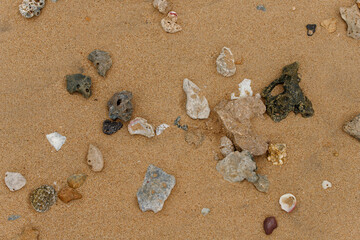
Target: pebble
[176, 123]
[329, 24]
[244, 89]
[56, 140]
[311, 28]
[326, 184]
[120, 106]
[351, 16]
[29, 233]
[140, 126]
[226, 146]
[95, 158]
[205, 211]
[197, 106]
[31, 8]
[111, 127]
[261, 8]
[235, 117]
[353, 127]
[262, 184]
[79, 83]
[194, 137]
[269, 225]
[277, 153]
[13, 217]
[287, 202]
[76, 180]
[162, 5]
[101, 60]
[169, 23]
[68, 194]
[14, 181]
[43, 198]
[155, 190]
[225, 63]
[160, 129]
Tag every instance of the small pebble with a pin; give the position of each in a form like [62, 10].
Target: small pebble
[326, 184]
[225, 63]
[29, 233]
[56, 140]
[140, 126]
[311, 28]
[205, 211]
[197, 106]
[261, 8]
[68, 194]
[287, 202]
[329, 24]
[101, 60]
[14, 181]
[76, 180]
[111, 127]
[120, 106]
[163, 6]
[79, 83]
[13, 217]
[169, 23]
[269, 225]
[95, 158]
[262, 184]
[353, 127]
[43, 198]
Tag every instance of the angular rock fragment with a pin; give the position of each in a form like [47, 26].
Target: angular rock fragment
[29, 233]
[14, 181]
[169, 23]
[197, 106]
[56, 140]
[226, 146]
[95, 158]
[43, 198]
[329, 24]
[110, 127]
[120, 106]
[353, 127]
[277, 153]
[155, 190]
[244, 89]
[311, 28]
[194, 137]
[101, 60]
[79, 83]
[76, 180]
[68, 194]
[351, 16]
[163, 6]
[31, 8]
[142, 127]
[291, 99]
[235, 116]
[160, 129]
[225, 63]
[262, 184]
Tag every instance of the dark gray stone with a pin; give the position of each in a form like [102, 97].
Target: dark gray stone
[110, 127]
[79, 83]
[120, 106]
[101, 60]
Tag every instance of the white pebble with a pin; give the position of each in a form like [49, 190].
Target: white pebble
[205, 211]
[244, 89]
[14, 181]
[56, 140]
[197, 106]
[161, 128]
[326, 184]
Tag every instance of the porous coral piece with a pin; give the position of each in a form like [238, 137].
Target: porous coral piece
[79, 83]
[225, 63]
[197, 106]
[351, 16]
[155, 190]
[101, 60]
[142, 127]
[277, 153]
[163, 6]
[291, 99]
[120, 106]
[169, 23]
[31, 8]
[353, 127]
[43, 198]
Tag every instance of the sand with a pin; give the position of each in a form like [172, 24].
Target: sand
[37, 53]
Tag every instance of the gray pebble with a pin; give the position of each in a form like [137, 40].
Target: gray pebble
[120, 106]
[79, 83]
[101, 60]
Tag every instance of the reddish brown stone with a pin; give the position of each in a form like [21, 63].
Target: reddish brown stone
[68, 194]
[269, 225]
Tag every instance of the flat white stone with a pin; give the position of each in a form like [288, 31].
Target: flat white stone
[160, 129]
[56, 140]
[14, 181]
[197, 106]
[244, 89]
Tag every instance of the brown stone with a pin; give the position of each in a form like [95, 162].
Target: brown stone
[269, 225]
[76, 180]
[68, 194]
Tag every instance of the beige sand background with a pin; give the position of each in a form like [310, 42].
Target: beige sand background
[36, 54]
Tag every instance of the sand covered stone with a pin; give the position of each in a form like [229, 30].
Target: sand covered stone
[76, 180]
[277, 153]
[329, 24]
[197, 106]
[226, 146]
[194, 137]
[351, 16]
[68, 194]
[353, 127]
[43, 198]
[225, 63]
[237, 166]
[101, 60]
[155, 190]
[140, 126]
[292, 99]
[79, 83]
[163, 6]
[95, 158]
[29, 233]
[31, 8]
[235, 115]
[14, 181]
[56, 140]
[120, 106]
[169, 23]
[262, 184]
[111, 127]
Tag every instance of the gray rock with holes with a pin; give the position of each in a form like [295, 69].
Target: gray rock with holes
[79, 83]
[120, 106]
[101, 60]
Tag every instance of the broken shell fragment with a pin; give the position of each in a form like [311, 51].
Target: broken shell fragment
[120, 106]
[326, 184]
[43, 198]
[226, 146]
[31, 8]
[169, 23]
[142, 127]
[329, 24]
[160, 129]
[277, 153]
[56, 140]
[68, 194]
[14, 181]
[79, 83]
[163, 6]
[353, 127]
[101, 60]
[225, 63]
[95, 158]
[197, 106]
[155, 190]
[351, 16]
[287, 202]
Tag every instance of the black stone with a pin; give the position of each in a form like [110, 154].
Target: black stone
[110, 127]
[79, 83]
[311, 28]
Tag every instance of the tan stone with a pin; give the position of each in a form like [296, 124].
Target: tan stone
[95, 158]
[329, 24]
[68, 194]
[76, 180]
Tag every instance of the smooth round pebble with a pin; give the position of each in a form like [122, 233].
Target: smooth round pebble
[269, 225]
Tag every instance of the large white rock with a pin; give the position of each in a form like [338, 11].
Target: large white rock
[56, 140]
[14, 181]
[197, 107]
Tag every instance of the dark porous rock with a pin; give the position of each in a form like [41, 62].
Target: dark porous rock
[120, 106]
[269, 225]
[111, 127]
[155, 190]
[291, 99]
[353, 127]
[79, 83]
[102, 61]
[43, 198]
